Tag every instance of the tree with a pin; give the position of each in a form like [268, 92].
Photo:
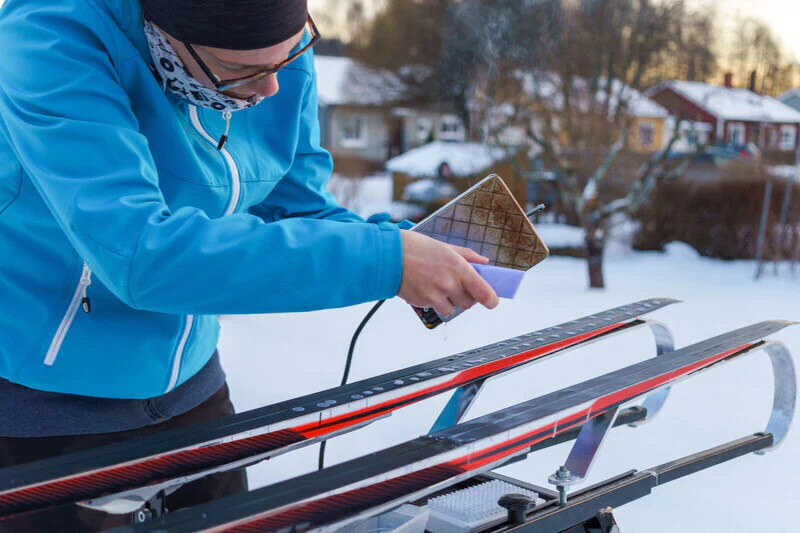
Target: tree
[485, 41]
[756, 48]
[405, 32]
[568, 90]
[560, 73]
[691, 55]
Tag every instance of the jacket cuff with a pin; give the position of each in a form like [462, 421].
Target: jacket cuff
[390, 260]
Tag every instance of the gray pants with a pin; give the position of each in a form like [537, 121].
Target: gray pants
[71, 517]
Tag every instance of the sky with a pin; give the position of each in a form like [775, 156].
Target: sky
[782, 15]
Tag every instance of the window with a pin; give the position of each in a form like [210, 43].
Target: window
[647, 135]
[737, 133]
[772, 139]
[424, 128]
[450, 128]
[353, 132]
[788, 138]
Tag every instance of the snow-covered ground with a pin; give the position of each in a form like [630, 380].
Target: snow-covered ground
[271, 358]
[370, 195]
[561, 235]
[784, 171]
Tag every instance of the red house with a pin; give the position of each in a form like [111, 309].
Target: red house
[737, 116]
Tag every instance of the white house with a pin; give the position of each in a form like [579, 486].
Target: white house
[366, 114]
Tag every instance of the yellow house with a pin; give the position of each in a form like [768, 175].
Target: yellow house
[648, 122]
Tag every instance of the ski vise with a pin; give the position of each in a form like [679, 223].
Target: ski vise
[590, 510]
[587, 445]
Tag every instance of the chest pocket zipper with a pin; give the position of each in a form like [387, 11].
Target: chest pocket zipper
[79, 300]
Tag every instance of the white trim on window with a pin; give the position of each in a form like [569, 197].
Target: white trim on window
[450, 128]
[424, 126]
[353, 132]
[788, 138]
[737, 133]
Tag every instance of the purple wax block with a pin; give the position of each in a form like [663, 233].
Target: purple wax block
[504, 281]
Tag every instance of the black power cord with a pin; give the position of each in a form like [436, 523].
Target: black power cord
[347, 365]
[360, 327]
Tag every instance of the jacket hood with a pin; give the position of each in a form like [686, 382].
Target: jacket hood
[127, 14]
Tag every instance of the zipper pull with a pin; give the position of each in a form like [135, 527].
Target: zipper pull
[86, 280]
[224, 139]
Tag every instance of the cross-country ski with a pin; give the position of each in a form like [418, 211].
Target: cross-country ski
[146, 466]
[362, 487]
[245, 240]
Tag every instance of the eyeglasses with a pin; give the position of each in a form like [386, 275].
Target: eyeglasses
[224, 85]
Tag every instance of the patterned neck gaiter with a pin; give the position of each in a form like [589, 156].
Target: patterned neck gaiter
[172, 75]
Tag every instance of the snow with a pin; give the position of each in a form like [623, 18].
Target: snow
[561, 235]
[735, 104]
[372, 194]
[785, 171]
[681, 250]
[270, 358]
[340, 80]
[429, 190]
[789, 94]
[464, 159]
[331, 78]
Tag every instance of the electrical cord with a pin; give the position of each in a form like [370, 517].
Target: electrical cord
[347, 365]
[349, 362]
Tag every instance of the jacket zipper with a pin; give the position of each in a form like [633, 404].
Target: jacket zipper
[235, 187]
[220, 145]
[176, 363]
[79, 299]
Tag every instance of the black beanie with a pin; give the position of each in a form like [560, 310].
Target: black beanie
[229, 24]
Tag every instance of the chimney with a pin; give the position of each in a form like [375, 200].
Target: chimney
[753, 82]
[729, 80]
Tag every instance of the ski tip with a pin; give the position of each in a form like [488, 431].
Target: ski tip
[774, 326]
[783, 323]
[657, 303]
[666, 301]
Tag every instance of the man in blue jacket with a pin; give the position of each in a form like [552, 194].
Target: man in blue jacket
[153, 176]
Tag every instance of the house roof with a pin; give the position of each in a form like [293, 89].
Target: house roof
[342, 81]
[788, 94]
[464, 158]
[734, 104]
[548, 87]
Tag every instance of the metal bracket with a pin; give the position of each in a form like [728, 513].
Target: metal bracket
[665, 344]
[464, 397]
[458, 405]
[785, 395]
[581, 457]
[153, 508]
[593, 432]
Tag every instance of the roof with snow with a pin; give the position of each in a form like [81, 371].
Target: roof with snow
[734, 104]
[463, 158]
[789, 94]
[548, 86]
[343, 81]
[791, 98]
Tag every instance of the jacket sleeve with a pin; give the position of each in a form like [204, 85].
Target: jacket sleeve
[302, 192]
[70, 124]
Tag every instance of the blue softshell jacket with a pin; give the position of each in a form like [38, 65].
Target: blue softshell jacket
[114, 199]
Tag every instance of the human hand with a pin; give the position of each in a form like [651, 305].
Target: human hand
[439, 275]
